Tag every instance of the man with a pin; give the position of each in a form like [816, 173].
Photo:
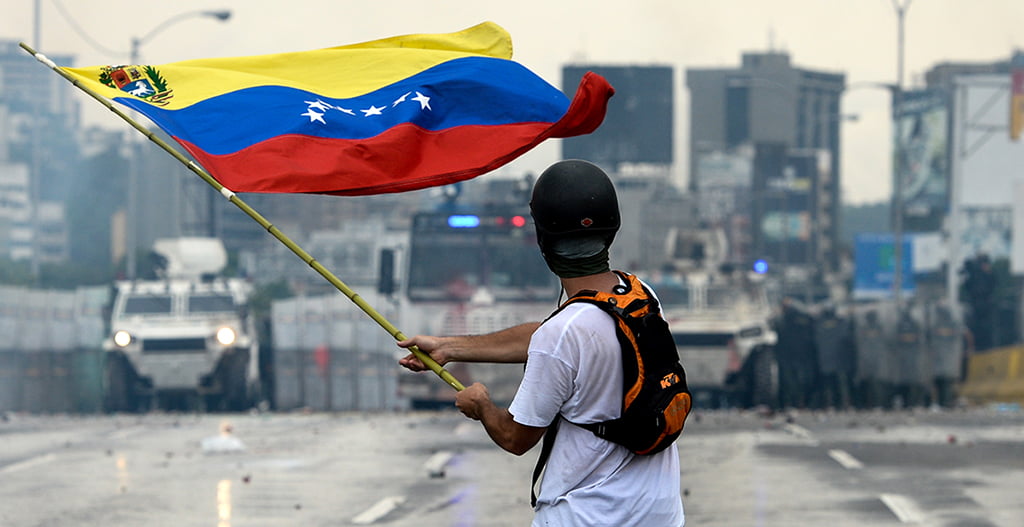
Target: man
[796, 355]
[831, 340]
[946, 340]
[573, 372]
[913, 357]
[876, 365]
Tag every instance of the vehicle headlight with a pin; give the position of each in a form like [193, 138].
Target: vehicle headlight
[122, 338]
[226, 336]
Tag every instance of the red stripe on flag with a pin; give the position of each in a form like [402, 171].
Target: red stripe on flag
[586, 112]
[400, 159]
[403, 158]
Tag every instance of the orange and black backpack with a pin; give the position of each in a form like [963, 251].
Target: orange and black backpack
[655, 398]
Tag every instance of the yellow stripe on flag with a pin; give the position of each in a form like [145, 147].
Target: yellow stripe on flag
[340, 72]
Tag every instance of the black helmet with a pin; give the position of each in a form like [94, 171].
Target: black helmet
[574, 198]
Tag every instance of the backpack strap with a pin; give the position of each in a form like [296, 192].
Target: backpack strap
[542, 460]
[629, 300]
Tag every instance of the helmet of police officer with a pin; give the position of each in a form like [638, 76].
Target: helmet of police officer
[575, 210]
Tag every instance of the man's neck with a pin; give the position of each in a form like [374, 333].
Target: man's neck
[603, 282]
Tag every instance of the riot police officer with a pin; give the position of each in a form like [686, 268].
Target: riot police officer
[912, 355]
[945, 339]
[832, 341]
[795, 355]
[873, 376]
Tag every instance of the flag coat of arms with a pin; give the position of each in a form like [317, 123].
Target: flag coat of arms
[390, 115]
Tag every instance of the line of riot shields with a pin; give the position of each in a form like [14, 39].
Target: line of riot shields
[868, 356]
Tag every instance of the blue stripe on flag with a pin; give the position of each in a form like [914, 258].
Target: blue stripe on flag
[461, 92]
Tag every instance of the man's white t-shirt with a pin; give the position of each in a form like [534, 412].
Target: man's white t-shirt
[575, 369]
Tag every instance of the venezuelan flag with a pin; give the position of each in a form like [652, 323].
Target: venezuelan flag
[389, 115]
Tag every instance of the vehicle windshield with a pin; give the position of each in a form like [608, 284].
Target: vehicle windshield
[147, 305]
[449, 264]
[211, 304]
[672, 295]
[723, 297]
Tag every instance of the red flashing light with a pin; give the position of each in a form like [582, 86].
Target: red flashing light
[518, 221]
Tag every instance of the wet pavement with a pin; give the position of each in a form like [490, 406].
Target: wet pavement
[439, 469]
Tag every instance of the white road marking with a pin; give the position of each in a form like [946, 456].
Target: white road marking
[845, 459]
[903, 507]
[435, 465]
[378, 510]
[30, 462]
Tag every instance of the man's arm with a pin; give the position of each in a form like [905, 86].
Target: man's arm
[475, 402]
[505, 346]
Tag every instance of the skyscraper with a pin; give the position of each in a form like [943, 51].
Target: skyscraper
[38, 154]
[788, 119]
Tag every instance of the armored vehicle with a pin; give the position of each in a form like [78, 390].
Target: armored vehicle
[182, 340]
[721, 319]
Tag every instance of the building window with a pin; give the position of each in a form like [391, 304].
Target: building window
[737, 115]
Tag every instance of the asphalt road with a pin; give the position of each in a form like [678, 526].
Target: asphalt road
[960, 468]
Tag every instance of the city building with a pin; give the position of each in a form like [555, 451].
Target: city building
[38, 153]
[638, 126]
[15, 212]
[635, 145]
[764, 152]
[925, 120]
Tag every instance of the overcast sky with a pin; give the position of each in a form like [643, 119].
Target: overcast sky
[855, 37]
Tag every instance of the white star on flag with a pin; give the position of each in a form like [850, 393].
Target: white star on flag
[314, 115]
[319, 105]
[317, 110]
[423, 100]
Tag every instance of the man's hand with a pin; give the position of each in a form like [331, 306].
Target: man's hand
[473, 400]
[433, 346]
[506, 346]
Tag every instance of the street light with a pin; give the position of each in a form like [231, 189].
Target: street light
[223, 15]
[131, 224]
[897, 225]
[896, 93]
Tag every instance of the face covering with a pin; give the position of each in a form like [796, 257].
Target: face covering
[575, 257]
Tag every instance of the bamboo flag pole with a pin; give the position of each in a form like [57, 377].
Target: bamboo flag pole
[274, 231]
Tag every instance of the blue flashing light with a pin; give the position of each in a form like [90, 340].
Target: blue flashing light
[463, 221]
[760, 267]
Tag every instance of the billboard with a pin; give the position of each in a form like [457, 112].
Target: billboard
[986, 230]
[784, 187]
[989, 162]
[639, 123]
[923, 132]
[723, 184]
[874, 266]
